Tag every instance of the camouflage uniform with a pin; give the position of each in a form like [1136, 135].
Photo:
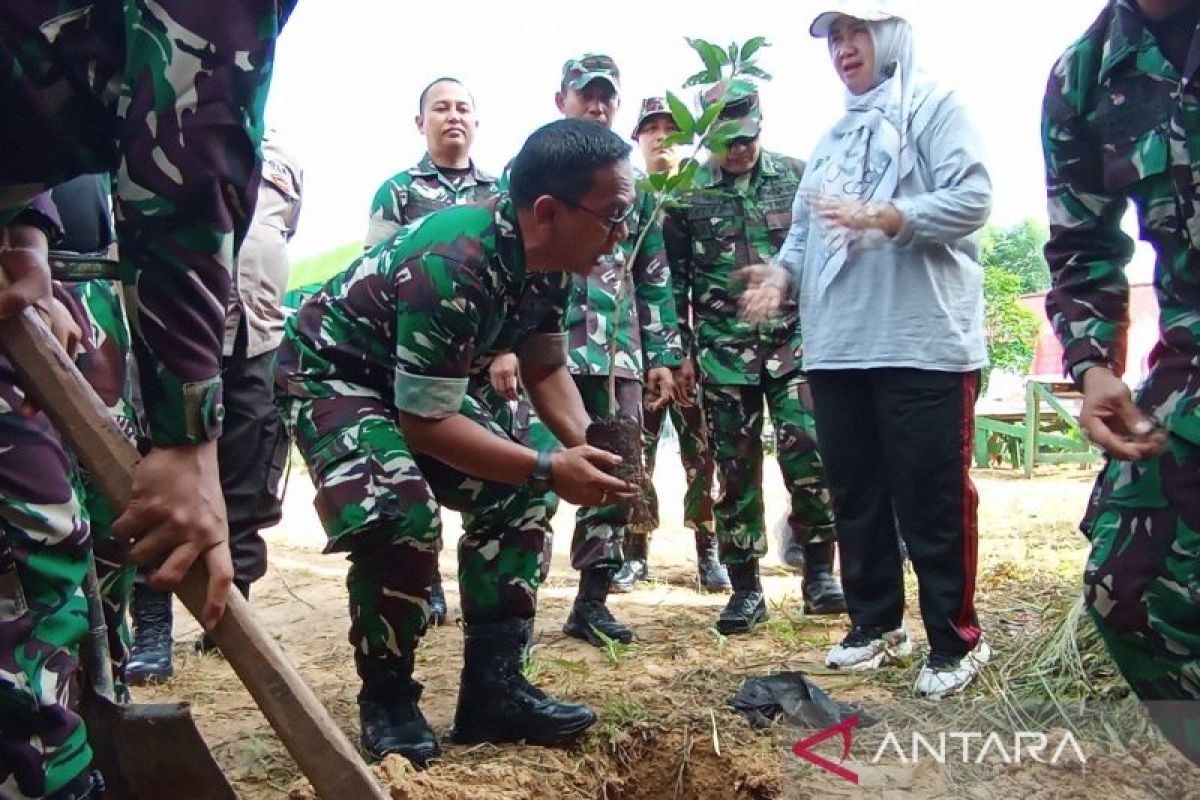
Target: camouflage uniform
[405, 328]
[647, 336]
[91, 289]
[419, 190]
[112, 88]
[720, 228]
[1119, 123]
[697, 465]
[646, 331]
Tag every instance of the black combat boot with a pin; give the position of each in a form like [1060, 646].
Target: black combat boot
[437, 601]
[713, 575]
[635, 567]
[150, 655]
[497, 704]
[589, 613]
[390, 719]
[822, 592]
[747, 607]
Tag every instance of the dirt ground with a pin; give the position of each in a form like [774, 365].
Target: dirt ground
[666, 729]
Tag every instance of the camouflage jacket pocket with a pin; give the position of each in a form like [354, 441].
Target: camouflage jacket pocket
[1125, 163]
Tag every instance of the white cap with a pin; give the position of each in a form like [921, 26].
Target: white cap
[858, 9]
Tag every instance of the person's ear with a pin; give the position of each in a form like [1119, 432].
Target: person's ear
[419, 121]
[560, 100]
[545, 210]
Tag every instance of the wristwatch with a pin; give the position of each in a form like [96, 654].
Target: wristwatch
[541, 480]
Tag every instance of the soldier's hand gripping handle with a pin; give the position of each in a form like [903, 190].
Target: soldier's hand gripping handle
[322, 751]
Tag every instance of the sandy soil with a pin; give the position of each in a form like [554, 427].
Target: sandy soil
[666, 729]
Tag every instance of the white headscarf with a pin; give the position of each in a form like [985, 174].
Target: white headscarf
[874, 146]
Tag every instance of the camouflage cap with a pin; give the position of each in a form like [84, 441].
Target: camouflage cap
[741, 106]
[579, 72]
[651, 106]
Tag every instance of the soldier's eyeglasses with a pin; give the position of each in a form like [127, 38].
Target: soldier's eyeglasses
[612, 222]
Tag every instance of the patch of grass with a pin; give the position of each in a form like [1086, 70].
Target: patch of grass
[620, 714]
[613, 650]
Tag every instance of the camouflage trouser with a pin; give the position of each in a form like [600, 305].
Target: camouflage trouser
[43, 615]
[735, 421]
[600, 531]
[522, 423]
[1142, 582]
[697, 464]
[106, 362]
[379, 504]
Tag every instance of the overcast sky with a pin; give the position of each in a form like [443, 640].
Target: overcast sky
[348, 74]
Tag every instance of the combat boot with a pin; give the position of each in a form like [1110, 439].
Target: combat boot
[821, 590]
[635, 567]
[713, 575]
[437, 601]
[747, 606]
[495, 701]
[150, 654]
[388, 712]
[589, 614]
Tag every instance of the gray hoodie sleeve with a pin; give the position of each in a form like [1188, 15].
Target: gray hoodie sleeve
[960, 198]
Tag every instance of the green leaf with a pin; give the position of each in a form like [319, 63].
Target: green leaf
[733, 53]
[659, 181]
[740, 86]
[718, 138]
[709, 116]
[679, 112]
[711, 55]
[697, 79]
[721, 55]
[752, 46]
[750, 69]
[678, 137]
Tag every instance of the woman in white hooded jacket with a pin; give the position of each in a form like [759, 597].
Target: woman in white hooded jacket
[891, 307]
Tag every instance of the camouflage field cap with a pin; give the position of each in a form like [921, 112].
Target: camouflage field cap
[741, 106]
[651, 106]
[579, 72]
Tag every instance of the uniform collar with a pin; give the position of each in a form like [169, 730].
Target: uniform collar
[510, 245]
[1125, 38]
[427, 169]
[709, 176]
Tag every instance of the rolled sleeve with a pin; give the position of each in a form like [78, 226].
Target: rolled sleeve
[428, 397]
[543, 350]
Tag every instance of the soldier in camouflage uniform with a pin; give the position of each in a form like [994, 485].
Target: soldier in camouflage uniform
[1121, 122]
[740, 216]
[445, 176]
[83, 261]
[112, 88]
[375, 369]
[654, 124]
[641, 317]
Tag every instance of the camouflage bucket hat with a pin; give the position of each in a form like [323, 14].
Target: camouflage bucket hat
[651, 106]
[741, 106]
[579, 72]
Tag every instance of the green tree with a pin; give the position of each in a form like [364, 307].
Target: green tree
[1011, 329]
[1018, 249]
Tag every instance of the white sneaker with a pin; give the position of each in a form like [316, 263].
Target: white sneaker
[869, 648]
[942, 677]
